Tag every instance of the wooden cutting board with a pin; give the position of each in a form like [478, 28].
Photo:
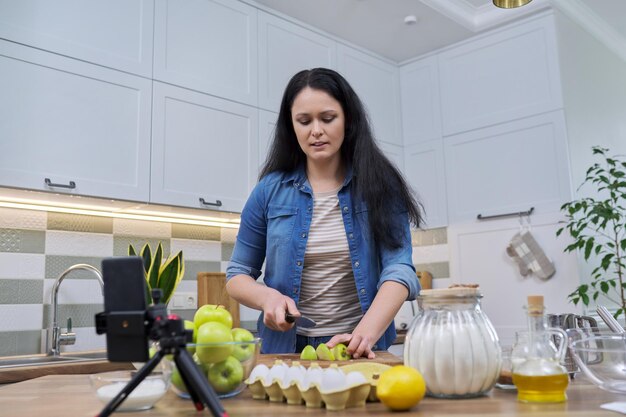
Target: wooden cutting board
[383, 357]
[212, 290]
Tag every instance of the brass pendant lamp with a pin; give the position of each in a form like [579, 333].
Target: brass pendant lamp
[510, 4]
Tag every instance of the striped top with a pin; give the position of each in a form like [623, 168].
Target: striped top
[328, 292]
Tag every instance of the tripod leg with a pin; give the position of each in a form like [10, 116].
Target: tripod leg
[197, 385]
[132, 384]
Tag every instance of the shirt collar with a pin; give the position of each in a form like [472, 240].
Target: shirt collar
[298, 176]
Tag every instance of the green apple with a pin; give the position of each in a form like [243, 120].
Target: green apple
[189, 325]
[225, 376]
[213, 332]
[177, 380]
[340, 352]
[212, 312]
[308, 353]
[324, 353]
[242, 351]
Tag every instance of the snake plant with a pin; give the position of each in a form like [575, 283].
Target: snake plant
[165, 275]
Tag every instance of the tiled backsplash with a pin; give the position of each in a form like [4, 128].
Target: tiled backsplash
[36, 247]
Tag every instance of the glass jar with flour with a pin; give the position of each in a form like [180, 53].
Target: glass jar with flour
[452, 343]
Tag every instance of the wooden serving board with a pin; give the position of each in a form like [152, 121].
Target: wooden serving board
[383, 357]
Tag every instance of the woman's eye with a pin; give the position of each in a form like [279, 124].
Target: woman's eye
[328, 119]
[304, 122]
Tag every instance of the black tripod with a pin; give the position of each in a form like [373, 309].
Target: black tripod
[172, 337]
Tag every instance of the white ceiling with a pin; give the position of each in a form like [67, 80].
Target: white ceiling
[378, 25]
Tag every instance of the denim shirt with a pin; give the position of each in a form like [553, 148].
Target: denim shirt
[274, 227]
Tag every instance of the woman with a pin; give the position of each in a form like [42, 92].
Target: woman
[330, 217]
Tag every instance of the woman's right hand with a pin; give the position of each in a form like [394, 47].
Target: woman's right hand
[274, 308]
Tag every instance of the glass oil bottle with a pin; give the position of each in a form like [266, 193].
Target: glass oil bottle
[537, 373]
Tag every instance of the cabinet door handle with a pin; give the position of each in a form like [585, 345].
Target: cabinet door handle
[49, 183]
[218, 203]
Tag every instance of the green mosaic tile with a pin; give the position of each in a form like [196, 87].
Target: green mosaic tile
[25, 342]
[120, 244]
[436, 269]
[57, 264]
[79, 223]
[227, 251]
[188, 231]
[24, 241]
[429, 237]
[83, 315]
[193, 267]
[21, 291]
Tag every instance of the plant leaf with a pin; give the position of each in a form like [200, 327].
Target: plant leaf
[169, 277]
[131, 250]
[155, 265]
[146, 255]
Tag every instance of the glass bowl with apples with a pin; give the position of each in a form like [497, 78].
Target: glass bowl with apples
[224, 354]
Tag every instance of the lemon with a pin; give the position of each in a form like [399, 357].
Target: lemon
[401, 387]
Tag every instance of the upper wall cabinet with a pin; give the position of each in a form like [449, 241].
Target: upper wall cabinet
[501, 76]
[285, 49]
[267, 125]
[204, 150]
[424, 169]
[377, 84]
[116, 34]
[508, 168]
[419, 91]
[208, 46]
[69, 126]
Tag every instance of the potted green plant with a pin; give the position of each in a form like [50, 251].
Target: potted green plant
[597, 226]
[165, 275]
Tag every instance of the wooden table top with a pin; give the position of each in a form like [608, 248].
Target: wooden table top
[72, 396]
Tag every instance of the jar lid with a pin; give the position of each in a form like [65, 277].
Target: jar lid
[451, 292]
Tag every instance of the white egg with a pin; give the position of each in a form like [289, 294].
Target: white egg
[332, 380]
[295, 374]
[259, 372]
[313, 376]
[277, 373]
[355, 378]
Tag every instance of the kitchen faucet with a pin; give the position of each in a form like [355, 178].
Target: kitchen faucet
[69, 337]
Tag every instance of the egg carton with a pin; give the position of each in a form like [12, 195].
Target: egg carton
[314, 387]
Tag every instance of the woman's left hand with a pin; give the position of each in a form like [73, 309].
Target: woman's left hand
[358, 345]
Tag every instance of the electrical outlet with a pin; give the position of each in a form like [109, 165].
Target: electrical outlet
[184, 301]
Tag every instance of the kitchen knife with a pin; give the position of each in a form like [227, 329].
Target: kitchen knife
[301, 321]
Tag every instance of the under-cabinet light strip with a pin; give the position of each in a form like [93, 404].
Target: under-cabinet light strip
[118, 215]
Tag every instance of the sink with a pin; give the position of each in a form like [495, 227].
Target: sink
[12, 362]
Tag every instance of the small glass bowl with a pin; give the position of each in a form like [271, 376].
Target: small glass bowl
[108, 384]
[225, 365]
[602, 358]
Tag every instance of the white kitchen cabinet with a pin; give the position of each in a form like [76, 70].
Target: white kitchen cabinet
[209, 46]
[500, 76]
[377, 84]
[204, 150]
[72, 123]
[115, 34]
[267, 125]
[395, 153]
[478, 256]
[421, 108]
[285, 49]
[507, 168]
[424, 169]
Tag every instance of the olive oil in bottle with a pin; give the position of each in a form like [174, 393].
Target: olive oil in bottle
[537, 373]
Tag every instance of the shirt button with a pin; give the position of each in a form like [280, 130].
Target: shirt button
[308, 208]
[356, 264]
[351, 236]
[297, 184]
[303, 235]
[362, 290]
[298, 263]
[295, 290]
[345, 209]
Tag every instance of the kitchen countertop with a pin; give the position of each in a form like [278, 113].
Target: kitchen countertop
[72, 396]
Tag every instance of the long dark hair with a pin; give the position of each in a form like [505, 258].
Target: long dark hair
[376, 180]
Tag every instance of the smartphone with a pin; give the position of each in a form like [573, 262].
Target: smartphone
[125, 309]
